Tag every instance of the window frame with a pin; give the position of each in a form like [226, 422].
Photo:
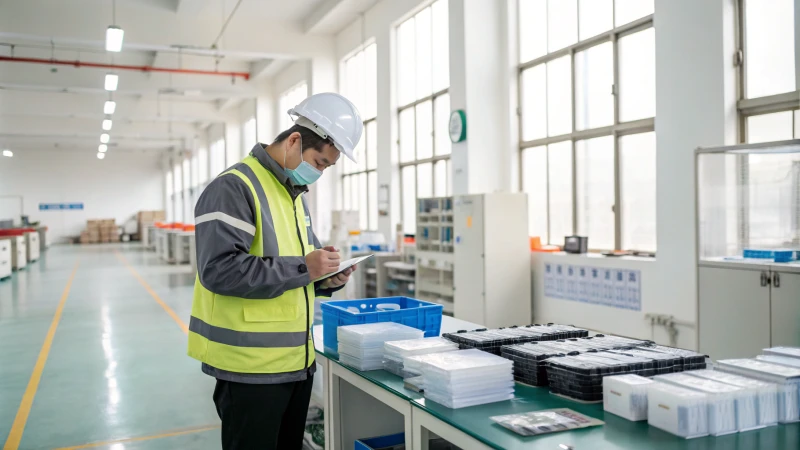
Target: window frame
[617, 129]
[434, 158]
[367, 121]
[757, 106]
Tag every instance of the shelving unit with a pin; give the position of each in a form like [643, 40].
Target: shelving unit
[400, 275]
[371, 277]
[434, 256]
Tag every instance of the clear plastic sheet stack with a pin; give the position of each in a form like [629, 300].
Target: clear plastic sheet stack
[766, 393]
[789, 352]
[395, 352]
[677, 410]
[626, 396]
[361, 346]
[492, 340]
[787, 379]
[730, 408]
[466, 378]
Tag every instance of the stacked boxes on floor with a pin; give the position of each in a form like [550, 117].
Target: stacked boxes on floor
[145, 218]
[677, 410]
[100, 231]
[766, 393]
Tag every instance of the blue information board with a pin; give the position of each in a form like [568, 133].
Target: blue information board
[60, 206]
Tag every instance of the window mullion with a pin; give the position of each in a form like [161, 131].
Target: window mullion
[574, 153]
[617, 162]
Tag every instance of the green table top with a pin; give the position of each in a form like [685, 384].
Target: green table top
[617, 433]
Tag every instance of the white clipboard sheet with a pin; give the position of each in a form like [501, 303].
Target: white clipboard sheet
[344, 265]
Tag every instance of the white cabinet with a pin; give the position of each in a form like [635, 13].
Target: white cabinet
[734, 313]
[492, 275]
[5, 258]
[744, 308]
[785, 295]
[32, 246]
[19, 256]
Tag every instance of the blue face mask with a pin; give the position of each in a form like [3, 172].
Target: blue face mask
[304, 174]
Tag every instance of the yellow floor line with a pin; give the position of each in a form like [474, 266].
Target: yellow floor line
[18, 427]
[180, 432]
[152, 293]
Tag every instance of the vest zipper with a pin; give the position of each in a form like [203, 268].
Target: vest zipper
[305, 289]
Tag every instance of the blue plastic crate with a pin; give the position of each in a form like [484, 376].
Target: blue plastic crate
[380, 442]
[421, 315]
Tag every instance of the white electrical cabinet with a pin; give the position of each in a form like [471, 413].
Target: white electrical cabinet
[5, 258]
[32, 246]
[19, 256]
[492, 270]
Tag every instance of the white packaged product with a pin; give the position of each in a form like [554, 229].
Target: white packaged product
[792, 352]
[766, 393]
[626, 396]
[782, 360]
[730, 408]
[787, 378]
[680, 411]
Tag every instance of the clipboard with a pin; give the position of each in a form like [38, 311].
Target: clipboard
[344, 265]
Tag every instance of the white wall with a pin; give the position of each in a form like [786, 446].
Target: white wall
[116, 187]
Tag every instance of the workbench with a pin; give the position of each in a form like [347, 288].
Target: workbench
[367, 404]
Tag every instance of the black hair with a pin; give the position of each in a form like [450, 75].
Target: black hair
[310, 139]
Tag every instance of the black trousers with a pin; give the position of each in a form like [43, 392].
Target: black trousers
[263, 416]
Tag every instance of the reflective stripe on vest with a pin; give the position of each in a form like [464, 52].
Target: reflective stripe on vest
[258, 336]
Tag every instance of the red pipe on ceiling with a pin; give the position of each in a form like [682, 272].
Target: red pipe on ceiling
[79, 64]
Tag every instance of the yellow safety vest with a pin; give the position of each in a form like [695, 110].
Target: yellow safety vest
[259, 336]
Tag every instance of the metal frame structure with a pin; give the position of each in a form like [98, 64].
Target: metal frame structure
[617, 129]
[763, 147]
[353, 177]
[434, 157]
[749, 107]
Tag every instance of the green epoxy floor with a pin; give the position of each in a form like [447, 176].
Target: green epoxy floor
[117, 367]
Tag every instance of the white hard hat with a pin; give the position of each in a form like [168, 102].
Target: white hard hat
[331, 116]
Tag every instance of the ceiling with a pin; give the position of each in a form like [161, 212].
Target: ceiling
[46, 105]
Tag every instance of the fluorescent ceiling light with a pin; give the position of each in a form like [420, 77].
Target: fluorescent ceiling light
[8, 153]
[101, 155]
[114, 36]
[104, 138]
[112, 80]
[102, 148]
[107, 124]
[109, 107]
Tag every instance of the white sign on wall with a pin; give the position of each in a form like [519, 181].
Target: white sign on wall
[617, 288]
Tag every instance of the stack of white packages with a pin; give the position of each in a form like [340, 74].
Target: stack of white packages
[467, 378]
[766, 393]
[730, 408]
[626, 396]
[396, 351]
[680, 411]
[782, 360]
[790, 352]
[361, 346]
[787, 379]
